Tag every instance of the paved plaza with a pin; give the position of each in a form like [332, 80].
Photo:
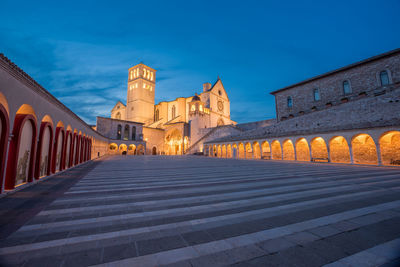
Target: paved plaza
[198, 211]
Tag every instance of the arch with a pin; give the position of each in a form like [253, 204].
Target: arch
[74, 148]
[123, 149]
[234, 150]
[90, 149]
[67, 149]
[44, 150]
[389, 144]
[302, 150]
[27, 109]
[219, 151]
[77, 149]
[119, 131]
[364, 149]
[223, 154]
[21, 153]
[339, 150]
[58, 150]
[214, 151]
[118, 115]
[4, 103]
[140, 150]
[81, 148]
[154, 150]
[241, 151]
[126, 132]
[319, 150]
[265, 150]
[288, 150]
[256, 150]
[276, 150]
[133, 132]
[229, 151]
[248, 151]
[131, 149]
[220, 122]
[4, 132]
[113, 148]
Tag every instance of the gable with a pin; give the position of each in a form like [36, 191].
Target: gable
[120, 105]
[219, 90]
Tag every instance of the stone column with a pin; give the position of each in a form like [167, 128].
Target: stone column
[378, 153]
[351, 153]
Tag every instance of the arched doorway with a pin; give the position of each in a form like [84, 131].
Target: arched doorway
[44, 153]
[288, 150]
[58, 149]
[302, 150]
[223, 153]
[68, 148]
[140, 150]
[389, 144]
[131, 149]
[174, 142]
[256, 150]
[339, 150]
[21, 154]
[276, 150]
[154, 151]
[266, 150]
[249, 151]
[364, 149]
[123, 149]
[241, 151]
[113, 148]
[229, 151]
[4, 132]
[319, 151]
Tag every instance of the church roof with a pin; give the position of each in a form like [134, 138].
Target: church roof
[196, 98]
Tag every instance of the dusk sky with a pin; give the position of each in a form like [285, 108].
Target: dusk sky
[80, 51]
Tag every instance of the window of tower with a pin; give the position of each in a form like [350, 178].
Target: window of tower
[136, 85]
[151, 88]
[144, 85]
[151, 76]
[131, 75]
[148, 75]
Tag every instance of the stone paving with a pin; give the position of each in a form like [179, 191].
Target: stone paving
[197, 211]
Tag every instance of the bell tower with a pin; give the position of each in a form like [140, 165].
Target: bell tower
[140, 98]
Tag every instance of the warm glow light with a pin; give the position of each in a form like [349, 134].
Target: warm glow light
[151, 76]
[193, 108]
[201, 108]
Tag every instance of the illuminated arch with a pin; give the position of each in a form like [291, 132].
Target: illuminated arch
[276, 150]
[319, 151]
[229, 151]
[302, 150]
[44, 148]
[248, 151]
[21, 153]
[4, 132]
[234, 150]
[256, 150]
[389, 144]
[219, 151]
[140, 150]
[132, 149]
[266, 150]
[123, 149]
[223, 152]
[68, 148]
[339, 150]
[58, 148]
[288, 150]
[241, 151]
[154, 150]
[364, 149]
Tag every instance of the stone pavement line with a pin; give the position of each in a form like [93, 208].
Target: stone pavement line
[249, 192]
[75, 240]
[33, 199]
[191, 210]
[374, 256]
[248, 239]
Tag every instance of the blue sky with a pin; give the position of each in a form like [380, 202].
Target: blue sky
[81, 50]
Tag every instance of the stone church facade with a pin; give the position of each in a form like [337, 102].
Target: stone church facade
[168, 127]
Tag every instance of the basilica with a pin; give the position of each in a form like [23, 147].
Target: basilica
[170, 127]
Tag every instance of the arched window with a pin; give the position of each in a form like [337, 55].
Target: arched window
[289, 102]
[119, 132]
[346, 87]
[384, 78]
[118, 116]
[157, 115]
[316, 95]
[126, 132]
[133, 133]
[173, 111]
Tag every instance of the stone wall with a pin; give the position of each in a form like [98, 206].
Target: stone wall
[363, 78]
[109, 128]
